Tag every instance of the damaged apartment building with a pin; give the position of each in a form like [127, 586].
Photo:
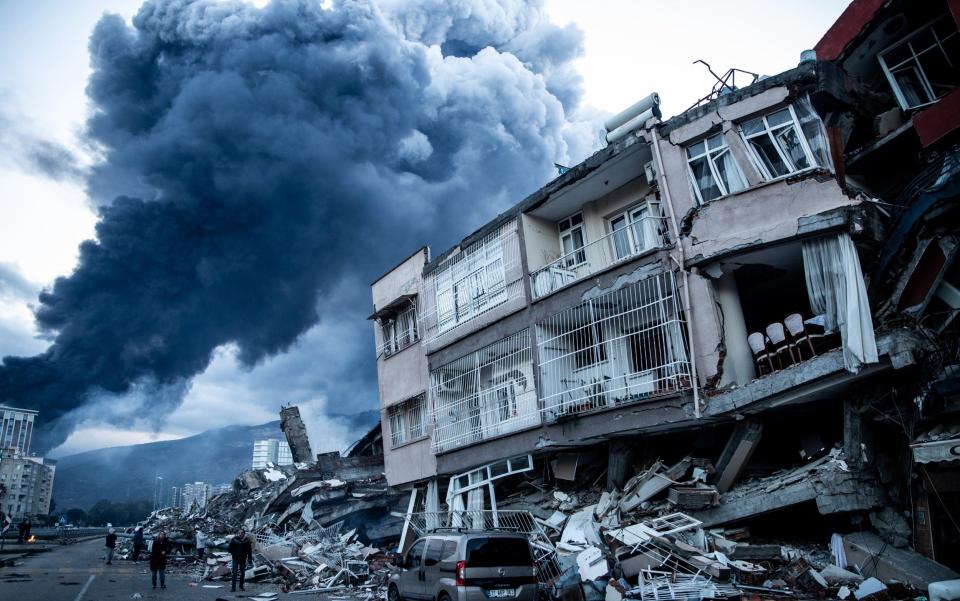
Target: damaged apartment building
[761, 290]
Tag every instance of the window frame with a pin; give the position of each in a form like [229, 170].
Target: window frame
[628, 214]
[395, 337]
[579, 253]
[472, 285]
[914, 62]
[407, 421]
[771, 132]
[709, 155]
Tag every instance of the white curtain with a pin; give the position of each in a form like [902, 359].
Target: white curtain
[836, 290]
[432, 505]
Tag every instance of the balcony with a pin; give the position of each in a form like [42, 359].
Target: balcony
[623, 347]
[483, 395]
[646, 230]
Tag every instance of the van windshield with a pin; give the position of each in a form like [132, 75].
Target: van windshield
[494, 552]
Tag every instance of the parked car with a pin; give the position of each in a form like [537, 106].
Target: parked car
[466, 566]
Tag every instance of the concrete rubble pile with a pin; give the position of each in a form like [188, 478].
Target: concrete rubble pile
[313, 525]
[666, 534]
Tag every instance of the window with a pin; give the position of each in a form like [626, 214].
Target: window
[571, 241]
[475, 283]
[925, 66]
[779, 146]
[588, 346]
[434, 552]
[713, 170]
[406, 420]
[636, 230]
[415, 554]
[399, 331]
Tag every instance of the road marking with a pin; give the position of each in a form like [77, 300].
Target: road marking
[85, 587]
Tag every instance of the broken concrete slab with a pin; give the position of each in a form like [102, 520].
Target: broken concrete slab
[826, 483]
[296, 433]
[655, 480]
[737, 452]
[874, 557]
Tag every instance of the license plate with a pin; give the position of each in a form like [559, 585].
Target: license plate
[499, 593]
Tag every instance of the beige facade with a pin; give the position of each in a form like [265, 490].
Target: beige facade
[28, 482]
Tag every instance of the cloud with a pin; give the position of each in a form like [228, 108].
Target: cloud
[260, 165]
[22, 148]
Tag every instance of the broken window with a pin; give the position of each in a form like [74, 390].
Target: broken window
[572, 241]
[616, 348]
[924, 66]
[486, 393]
[407, 420]
[713, 170]
[780, 144]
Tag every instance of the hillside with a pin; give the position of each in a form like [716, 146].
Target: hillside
[128, 473]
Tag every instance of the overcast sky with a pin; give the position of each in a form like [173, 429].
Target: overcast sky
[631, 48]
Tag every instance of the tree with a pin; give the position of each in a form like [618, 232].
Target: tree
[77, 516]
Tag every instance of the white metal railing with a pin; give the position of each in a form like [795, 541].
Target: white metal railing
[618, 246]
[624, 346]
[406, 420]
[400, 331]
[474, 280]
[487, 393]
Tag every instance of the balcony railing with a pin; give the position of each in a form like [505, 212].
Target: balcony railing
[616, 247]
[484, 394]
[619, 348]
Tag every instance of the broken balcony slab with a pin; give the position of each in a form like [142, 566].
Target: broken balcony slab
[824, 481]
[813, 379]
[874, 557]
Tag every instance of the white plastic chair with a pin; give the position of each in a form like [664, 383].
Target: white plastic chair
[778, 337]
[758, 345]
[798, 332]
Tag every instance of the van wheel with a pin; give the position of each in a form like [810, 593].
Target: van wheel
[443, 597]
[393, 594]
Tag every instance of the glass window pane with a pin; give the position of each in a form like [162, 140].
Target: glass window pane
[576, 219]
[752, 126]
[703, 179]
[728, 173]
[621, 237]
[695, 150]
[908, 81]
[792, 147]
[715, 142]
[779, 118]
[923, 41]
[896, 56]
[765, 150]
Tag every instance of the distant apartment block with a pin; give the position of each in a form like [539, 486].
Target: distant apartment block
[28, 484]
[16, 428]
[194, 495]
[272, 451]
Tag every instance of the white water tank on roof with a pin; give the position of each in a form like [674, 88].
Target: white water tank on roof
[644, 104]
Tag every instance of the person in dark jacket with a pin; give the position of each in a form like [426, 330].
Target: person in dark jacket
[111, 545]
[138, 543]
[158, 558]
[241, 550]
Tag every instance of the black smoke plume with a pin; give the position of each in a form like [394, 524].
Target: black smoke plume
[250, 160]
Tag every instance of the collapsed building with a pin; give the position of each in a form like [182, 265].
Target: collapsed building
[743, 316]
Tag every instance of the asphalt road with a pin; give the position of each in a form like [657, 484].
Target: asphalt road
[77, 573]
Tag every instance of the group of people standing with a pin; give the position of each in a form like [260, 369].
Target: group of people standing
[241, 552]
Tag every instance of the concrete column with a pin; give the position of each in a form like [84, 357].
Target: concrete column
[738, 367]
[855, 434]
[619, 463]
[743, 442]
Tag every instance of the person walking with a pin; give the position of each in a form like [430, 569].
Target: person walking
[241, 550]
[22, 532]
[138, 543]
[158, 558]
[111, 545]
[201, 544]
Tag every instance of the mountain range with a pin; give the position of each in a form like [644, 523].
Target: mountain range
[130, 472]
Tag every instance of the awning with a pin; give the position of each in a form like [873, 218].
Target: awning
[394, 307]
[937, 450]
